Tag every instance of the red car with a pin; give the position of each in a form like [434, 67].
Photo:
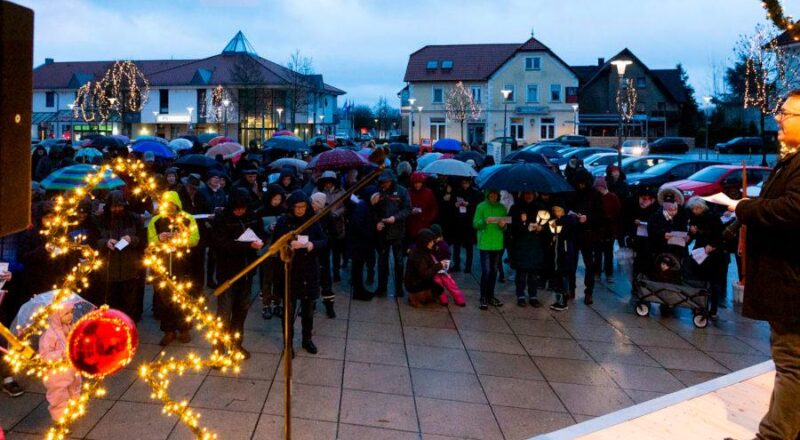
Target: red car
[719, 178]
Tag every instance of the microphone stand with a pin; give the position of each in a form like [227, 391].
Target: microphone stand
[282, 247]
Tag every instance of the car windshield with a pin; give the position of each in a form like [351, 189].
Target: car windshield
[630, 144]
[638, 165]
[709, 175]
[659, 169]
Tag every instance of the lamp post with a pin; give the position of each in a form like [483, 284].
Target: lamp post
[506, 94]
[376, 128]
[620, 65]
[155, 123]
[419, 128]
[575, 118]
[321, 120]
[706, 103]
[411, 101]
[226, 103]
[280, 118]
[189, 127]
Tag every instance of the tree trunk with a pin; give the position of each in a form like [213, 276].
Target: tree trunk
[763, 142]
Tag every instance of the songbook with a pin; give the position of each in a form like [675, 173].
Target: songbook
[678, 238]
[720, 199]
[121, 244]
[3, 268]
[248, 236]
[699, 254]
[641, 230]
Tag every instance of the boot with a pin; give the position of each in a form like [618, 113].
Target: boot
[167, 339]
[560, 304]
[309, 346]
[329, 308]
[185, 337]
[363, 295]
[443, 299]
[587, 299]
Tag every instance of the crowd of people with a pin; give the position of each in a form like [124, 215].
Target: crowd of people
[429, 225]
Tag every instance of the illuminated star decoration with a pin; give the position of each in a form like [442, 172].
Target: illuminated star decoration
[157, 374]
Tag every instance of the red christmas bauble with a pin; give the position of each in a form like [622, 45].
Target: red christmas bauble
[102, 342]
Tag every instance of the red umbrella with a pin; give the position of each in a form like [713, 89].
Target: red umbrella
[219, 140]
[283, 133]
[228, 150]
[337, 159]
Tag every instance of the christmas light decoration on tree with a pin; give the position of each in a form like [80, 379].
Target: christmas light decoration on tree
[157, 374]
[123, 89]
[626, 99]
[775, 14]
[461, 106]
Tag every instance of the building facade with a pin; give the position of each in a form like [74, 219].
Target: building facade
[542, 92]
[236, 93]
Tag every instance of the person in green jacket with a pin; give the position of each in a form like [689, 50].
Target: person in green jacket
[490, 223]
[160, 231]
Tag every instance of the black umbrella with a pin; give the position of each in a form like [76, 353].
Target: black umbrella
[286, 143]
[198, 163]
[470, 155]
[106, 141]
[522, 176]
[526, 156]
[401, 148]
[191, 137]
[317, 149]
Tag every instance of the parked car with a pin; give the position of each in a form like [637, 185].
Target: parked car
[636, 147]
[599, 161]
[572, 140]
[635, 164]
[583, 153]
[342, 134]
[669, 145]
[550, 151]
[754, 191]
[366, 137]
[498, 142]
[743, 145]
[720, 178]
[670, 171]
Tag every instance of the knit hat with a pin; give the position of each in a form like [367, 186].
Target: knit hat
[600, 183]
[240, 198]
[318, 201]
[436, 230]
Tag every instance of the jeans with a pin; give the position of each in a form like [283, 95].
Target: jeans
[457, 256]
[586, 250]
[604, 258]
[232, 305]
[526, 278]
[306, 317]
[489, 263]
[396, 247]
[782, 420]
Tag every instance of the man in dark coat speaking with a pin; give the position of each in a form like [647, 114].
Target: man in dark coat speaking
[772, 278]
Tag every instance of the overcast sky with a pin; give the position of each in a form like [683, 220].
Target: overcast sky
[363, 46]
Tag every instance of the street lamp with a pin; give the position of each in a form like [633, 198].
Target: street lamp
[706, 103]
[189, 127]
[280, 119]
[419, 128]
[226, 103]
[411, 102]
[620, 65]
[506, 94]
[575, 117]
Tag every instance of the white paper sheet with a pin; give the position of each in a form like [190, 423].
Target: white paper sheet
[728, 217]
[203, 216]
[462, 209]
[121, 244]
[302, 239]
[678, 238]
[248, 236]
[699, 255]
[641, 230]
[3, 268]
[354, 198]
[720, 199]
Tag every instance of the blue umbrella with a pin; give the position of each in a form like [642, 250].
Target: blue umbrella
[447, 145]
[426, 159]
[158, 149]
[450, 167]
[522, 176]
[205, 137]
[74, 176]
[147, 138]
[485, 173]
[286, 143]
[88, 152]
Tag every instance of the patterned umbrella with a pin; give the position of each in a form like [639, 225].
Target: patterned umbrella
[146, 138]
[158, 149]
[89, 153]
[337, 160]
[447, 144]
[283, 133]
[289, 162]
[205, 137]
[450, 167]
[220, 140]
[74, 176]
[181, 144]
[228, 150]
[426, 159]
[286, 143]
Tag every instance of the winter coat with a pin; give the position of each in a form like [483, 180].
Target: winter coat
[526, 247]
[564, 242]
[40, 271]
[773, 240]
[63, 385]
[490, 236]
[422, 265]
[253, 192]
[709, 233]
[642, 262]
[361, 233]
[658, 226]
[608, 227]
[337, 222]
[159, 224]
[463, 232]
[233, 255]
[393, 202]
[214, 199]
[125, 264]
[304, 276]
[620, 186]
[425, 200]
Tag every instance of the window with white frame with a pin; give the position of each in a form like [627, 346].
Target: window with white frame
[533, 63]
[438, 128]
[532, 94]
[517, 127]
[547, 128]
[555, 92]
[511, 96]
[476, 93]
[438, 95]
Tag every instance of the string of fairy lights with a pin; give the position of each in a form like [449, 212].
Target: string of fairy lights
[776, 15]
[124, 88]
[157, 374]
[626, 100]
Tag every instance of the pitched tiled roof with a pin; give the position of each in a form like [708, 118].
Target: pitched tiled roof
[785, 38]
[671, 78]
[585, 73]
[471, 62]
[59, 75]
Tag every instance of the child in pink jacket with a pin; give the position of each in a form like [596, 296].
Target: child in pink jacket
[66, 385]
[441, 251]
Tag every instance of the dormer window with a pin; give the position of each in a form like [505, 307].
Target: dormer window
[432, 65]
[447, 64]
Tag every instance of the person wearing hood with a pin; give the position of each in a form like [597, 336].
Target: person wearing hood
[249, 182]
[39, 153]
[421, 270]
[527, 236]
[361, 239]
[304, 270]
[607, 230]
[490, 223]
[424, 209]
[288, 180]
[665, 222]
[160, 230]
[461, 203]
[705, 231]
[636, 226]
[234, 255]
[48, 163]
[195, 202]
[562, 227]
[173, 183]
[119, 237]
[573, 165]
[63, 385]
[404, 173]
[391, 211]
[274, 207]
[318, 203]
[587, 207]
[216, 200]
[617, 183]
[329, 185]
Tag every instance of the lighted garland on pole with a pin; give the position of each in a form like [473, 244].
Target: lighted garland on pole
[157, 374]
[775, 14]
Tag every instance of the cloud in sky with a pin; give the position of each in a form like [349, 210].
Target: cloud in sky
[362, 46]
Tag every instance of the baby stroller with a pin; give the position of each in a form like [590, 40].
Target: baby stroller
[669, 287]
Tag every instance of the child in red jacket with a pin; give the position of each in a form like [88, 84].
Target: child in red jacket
[441, 252]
